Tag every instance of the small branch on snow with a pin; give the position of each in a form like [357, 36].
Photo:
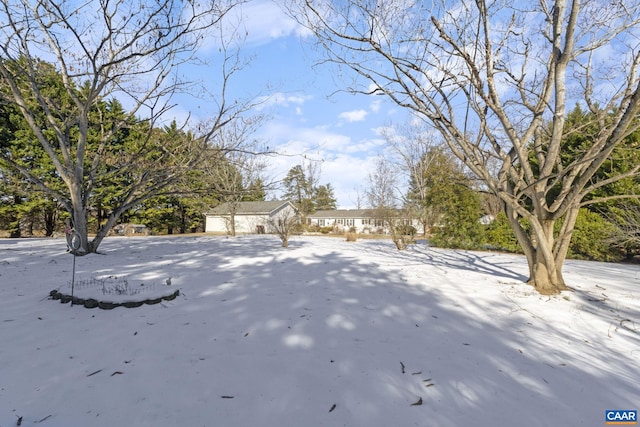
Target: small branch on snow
[623, 326]
[417, 403]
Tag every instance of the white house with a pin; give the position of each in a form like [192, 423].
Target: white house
[361, 220]
[248, 217]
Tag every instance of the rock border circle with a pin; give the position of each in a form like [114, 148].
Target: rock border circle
[108, 305]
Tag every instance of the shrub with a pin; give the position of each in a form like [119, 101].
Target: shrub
[351, 236]
[590, 238]
[500, 236]
[406, 230]
[313, 228]
[459, 233]
[402, 242]
[459, 226]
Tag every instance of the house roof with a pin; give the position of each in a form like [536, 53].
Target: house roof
[249, 208]
[343, 213]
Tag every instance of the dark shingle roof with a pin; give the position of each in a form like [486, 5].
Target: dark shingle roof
[343, 213]
[248, 208]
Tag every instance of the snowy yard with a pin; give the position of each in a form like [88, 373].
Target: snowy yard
[324, 333]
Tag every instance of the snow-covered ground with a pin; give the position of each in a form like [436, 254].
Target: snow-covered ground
[323, 333]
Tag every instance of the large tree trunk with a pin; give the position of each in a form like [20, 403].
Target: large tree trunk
[544, 252]
[50, 216]
[232, 224]
[513, 132]
[79, 217]
[546, 275]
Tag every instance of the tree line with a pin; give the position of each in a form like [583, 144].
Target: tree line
[496, 82]
[164, 177]
[419, 179]
[85, 89]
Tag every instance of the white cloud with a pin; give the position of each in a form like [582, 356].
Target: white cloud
[354, 116]
[264, 21]
[256, 23]
[344, 163]
[349, 176]
[282, 100]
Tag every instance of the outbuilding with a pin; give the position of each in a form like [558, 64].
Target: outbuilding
[248, 217]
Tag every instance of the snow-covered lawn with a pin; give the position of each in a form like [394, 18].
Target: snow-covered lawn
[324, 333]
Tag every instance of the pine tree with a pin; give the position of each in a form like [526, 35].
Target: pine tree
[324, 198]
[454, 205]
[255, 192]
[299, 185]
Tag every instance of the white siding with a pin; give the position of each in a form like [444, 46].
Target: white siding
[361, 225]
[244, 223]
[215, 224]
[250, 216]
[249, 223]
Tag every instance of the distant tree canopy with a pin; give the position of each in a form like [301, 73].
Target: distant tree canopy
[302, 188]
[72, 139]
[132, 172]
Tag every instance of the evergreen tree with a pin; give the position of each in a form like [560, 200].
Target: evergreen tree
[454, 204]
[255, 192]
[132, 58]
[460, 226]
[299, 189]
[430, 176]
[324, 198]
[24, 204]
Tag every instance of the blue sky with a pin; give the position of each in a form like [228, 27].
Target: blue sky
[309, 119]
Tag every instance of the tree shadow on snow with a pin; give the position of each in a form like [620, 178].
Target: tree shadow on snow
[315, 336]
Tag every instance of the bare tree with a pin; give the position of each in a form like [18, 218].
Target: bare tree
[126, 50]
[359, 198]
[626, 234]
[284, 224]
[416, 150]
[382, 192]
[384, 200]
[491, 205]
[235, 162]
[495, 79]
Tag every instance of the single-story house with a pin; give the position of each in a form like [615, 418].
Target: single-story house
[248, 217]
[361, 220]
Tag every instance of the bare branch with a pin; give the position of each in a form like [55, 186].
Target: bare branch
[495, 79]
